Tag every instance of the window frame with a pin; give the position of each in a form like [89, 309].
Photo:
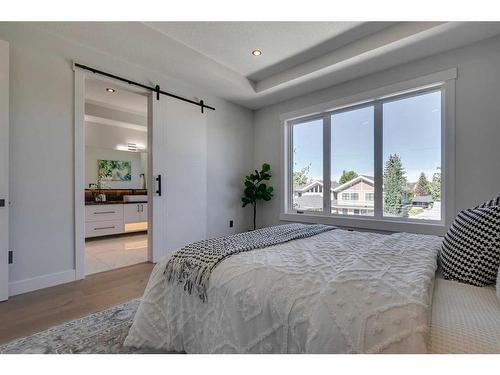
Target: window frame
[443, 81]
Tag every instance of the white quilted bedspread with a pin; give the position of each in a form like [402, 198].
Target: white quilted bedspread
[336, 292]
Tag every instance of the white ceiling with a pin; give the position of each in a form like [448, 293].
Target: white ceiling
[231, 43]
[298, 57]
[121, 99]
[123, 108]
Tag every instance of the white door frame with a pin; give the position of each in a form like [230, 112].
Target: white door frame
[79, 168]
[4, 170]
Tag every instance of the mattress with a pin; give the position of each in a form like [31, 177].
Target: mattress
[336, 292]
[465, 318]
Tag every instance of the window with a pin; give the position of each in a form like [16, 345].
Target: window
[307, 160]
[380, 160]
[348, 197]
[412, 157]
[351, 154]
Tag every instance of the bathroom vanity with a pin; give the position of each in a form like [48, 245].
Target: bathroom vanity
[123, 214]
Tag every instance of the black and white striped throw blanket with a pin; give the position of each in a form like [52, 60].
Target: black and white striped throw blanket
[192, 265]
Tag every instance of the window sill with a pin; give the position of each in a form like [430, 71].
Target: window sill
[438, 228]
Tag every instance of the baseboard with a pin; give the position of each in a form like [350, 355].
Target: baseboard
[40, 282]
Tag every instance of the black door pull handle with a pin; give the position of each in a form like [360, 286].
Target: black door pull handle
[158, 178]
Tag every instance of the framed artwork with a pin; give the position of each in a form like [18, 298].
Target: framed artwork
[117, 170]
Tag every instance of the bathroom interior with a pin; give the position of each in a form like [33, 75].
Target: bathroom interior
[116, 175]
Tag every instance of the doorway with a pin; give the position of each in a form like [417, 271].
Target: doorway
[177, 143]
[114, 186]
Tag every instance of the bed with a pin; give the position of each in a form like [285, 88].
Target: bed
[336, 292]
[465, 318]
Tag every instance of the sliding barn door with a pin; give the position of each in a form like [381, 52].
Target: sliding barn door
[178, 132]
[4, 170]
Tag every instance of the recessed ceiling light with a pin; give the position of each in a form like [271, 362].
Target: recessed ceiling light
[256, 52]
[109, 89]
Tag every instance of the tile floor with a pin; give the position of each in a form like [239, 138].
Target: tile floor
[104, 254]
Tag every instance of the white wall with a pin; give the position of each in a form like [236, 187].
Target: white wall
[230, 159]
[41, 140]
[101, 142]
[93, 154]
[107, 136]
[477, 120]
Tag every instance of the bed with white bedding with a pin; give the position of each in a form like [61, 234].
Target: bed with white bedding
[336, 292]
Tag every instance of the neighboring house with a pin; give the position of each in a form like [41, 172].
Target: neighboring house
[310, 197]
[315, 186]
[424, 201]
[354, 197]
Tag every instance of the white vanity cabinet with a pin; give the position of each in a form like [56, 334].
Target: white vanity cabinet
[135, 213]
[108, 219]
[103, 220]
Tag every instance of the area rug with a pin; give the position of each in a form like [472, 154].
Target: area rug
[100, 333]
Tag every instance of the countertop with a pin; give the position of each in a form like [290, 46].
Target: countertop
[92, 203]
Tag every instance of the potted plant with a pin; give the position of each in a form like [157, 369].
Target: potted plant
[256, 189]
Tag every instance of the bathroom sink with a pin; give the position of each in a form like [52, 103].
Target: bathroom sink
[135, 198]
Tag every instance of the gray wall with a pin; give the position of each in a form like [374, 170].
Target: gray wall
[477, 120]
[41, 139]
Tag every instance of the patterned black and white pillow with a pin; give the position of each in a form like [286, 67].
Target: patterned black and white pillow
[470, 252]
[491, 203]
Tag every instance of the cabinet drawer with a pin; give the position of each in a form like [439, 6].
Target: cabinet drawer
[103, 228]
[104, 212]
[135, 213]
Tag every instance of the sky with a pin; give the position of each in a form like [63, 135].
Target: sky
[412, 129]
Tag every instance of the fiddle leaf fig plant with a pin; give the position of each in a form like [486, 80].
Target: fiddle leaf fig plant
[256, 189]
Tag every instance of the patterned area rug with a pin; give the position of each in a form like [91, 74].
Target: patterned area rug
[100, 333]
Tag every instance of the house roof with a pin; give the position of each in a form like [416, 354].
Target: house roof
[423, 199]
[354, 181]
[303, 188]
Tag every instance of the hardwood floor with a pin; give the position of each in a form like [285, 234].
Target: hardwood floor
[32, 312]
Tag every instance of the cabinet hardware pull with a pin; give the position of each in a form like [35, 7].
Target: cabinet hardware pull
[104, 228]
[104, 212]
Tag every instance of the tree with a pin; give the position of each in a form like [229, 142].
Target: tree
[347, 176]
[423, 187]
[394, 185]
[435, 185]
[301, 177]
[256, 190]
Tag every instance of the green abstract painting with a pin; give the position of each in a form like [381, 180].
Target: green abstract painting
[116, 169]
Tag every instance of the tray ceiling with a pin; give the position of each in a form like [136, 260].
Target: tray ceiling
[297, 57]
